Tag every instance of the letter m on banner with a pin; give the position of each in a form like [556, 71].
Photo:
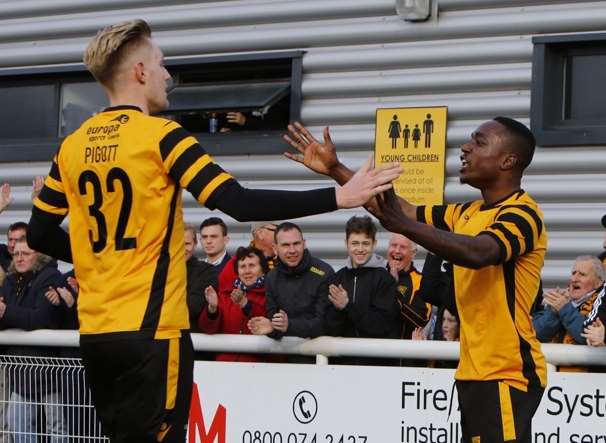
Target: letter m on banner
[216, 431]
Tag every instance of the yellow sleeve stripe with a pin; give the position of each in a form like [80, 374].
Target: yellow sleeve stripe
[194, 169]
[48, 208]
[177, 150]
[522, 223]
[213, 185]
[54, 184]
[428, 217]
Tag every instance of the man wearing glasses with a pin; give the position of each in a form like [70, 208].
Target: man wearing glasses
[263, 238]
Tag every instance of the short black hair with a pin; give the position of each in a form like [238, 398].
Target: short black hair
[604, 221]
[522, 139]
[17, 226]
[249, 251]
[214, 221]
[361, 225]
[287, 226]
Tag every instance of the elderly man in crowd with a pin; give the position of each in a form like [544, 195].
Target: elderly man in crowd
[23, 305]
[566, 310]
[414, 311]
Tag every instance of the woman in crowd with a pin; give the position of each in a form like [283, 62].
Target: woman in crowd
[229, 311]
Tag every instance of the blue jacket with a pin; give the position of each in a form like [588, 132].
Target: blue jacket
[550, 324]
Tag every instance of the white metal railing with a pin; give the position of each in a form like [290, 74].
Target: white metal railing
[46, 399]
[556, 354]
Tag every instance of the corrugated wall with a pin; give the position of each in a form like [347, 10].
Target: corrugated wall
[474, 57]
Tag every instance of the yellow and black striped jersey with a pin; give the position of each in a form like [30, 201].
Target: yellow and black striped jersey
[498, 341]
[120, 177]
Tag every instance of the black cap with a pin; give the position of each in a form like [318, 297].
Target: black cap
[604, 221]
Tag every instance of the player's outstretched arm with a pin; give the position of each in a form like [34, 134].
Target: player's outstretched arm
[322, 158]
[45, 235]
[471, 252]
[366, 184]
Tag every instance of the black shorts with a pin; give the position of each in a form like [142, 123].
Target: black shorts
[141, 387]
[494, 412]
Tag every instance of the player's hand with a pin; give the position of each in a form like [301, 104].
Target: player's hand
[236, 117]
[390, 212]
[260, 326]
[338, 296]
[280, 321]
[2, 307]
[5, 196]
[212, 299]
[37, 185]
[319, 157]
[367, 183]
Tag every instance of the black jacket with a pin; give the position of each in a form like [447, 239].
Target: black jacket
[5, 257]
[199, 275]
[372, 311]
[437, 288]
[27, 308]
[301, 293]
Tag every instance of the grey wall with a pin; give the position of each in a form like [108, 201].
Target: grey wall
[474, 57]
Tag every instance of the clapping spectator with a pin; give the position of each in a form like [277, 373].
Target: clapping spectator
[23, 305]
[362, 295]
[229, 311]
[18, 229]
[414, 311]
[200, 275]
[262, 239]
[295, 289]
[566, 309]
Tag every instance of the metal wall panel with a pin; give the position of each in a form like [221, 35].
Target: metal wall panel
[474, 57]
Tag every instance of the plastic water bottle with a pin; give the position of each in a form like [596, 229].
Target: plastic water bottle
[213, 123]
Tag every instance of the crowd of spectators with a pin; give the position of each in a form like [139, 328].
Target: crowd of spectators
[276, 287]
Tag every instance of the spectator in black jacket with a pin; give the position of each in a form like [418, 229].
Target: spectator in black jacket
[437, 288]
[200, 275]
[15, 232]
[295, 289]
[24, 306]
[362, 295]
[214, 241]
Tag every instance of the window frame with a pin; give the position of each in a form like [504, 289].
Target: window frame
[235, 143]
[548, 90]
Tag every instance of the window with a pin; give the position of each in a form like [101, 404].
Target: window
[43, 105]
[567, 90]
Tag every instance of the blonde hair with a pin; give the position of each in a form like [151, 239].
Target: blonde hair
[2, 276]
[106, 50]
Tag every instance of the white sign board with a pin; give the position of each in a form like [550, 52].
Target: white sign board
[280, 403]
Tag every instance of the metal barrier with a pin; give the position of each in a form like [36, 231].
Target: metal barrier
[46, 399]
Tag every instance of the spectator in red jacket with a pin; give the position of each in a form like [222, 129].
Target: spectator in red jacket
[229, 311]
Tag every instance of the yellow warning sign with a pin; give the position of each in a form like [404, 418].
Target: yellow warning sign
[415, 138]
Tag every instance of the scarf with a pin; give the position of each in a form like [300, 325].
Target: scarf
[259, 283]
